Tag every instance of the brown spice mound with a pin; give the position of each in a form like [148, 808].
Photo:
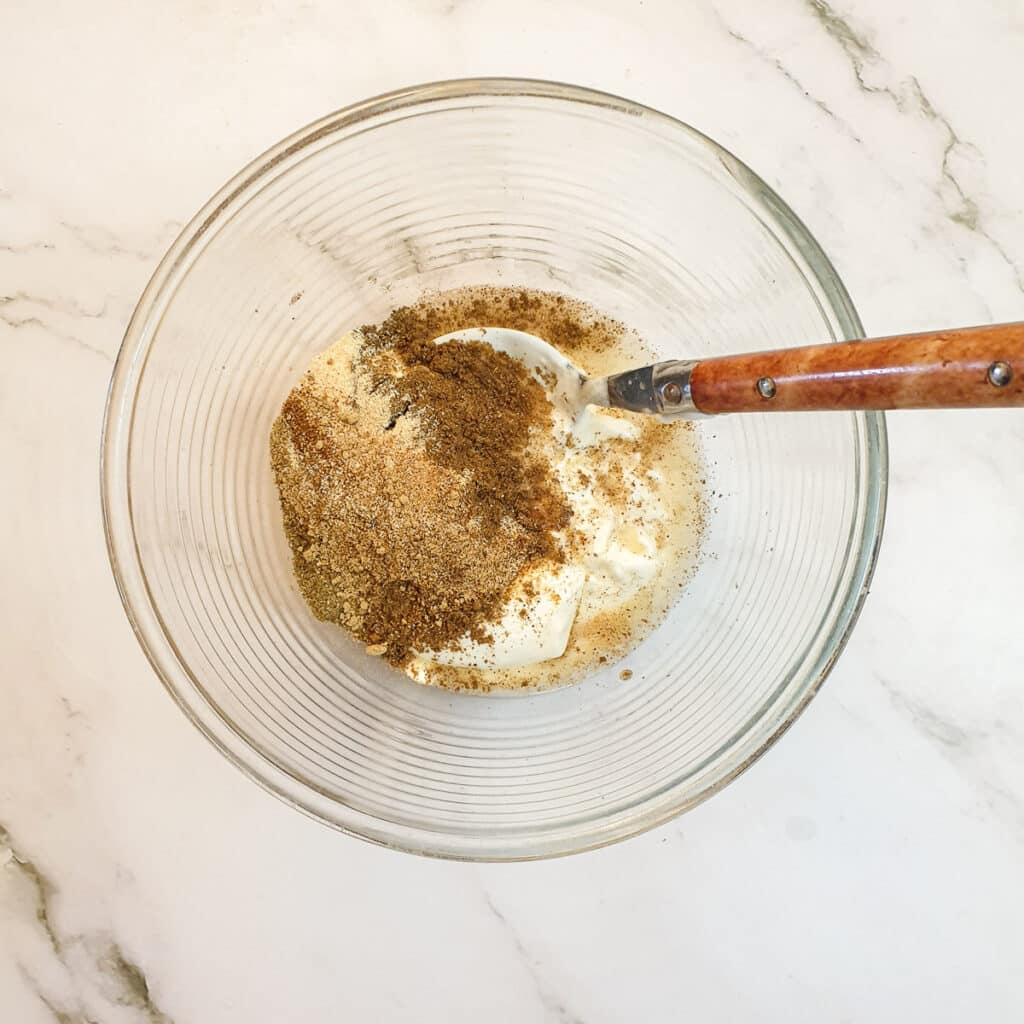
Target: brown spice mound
[477, 409]
[571, 326]
[415, 488]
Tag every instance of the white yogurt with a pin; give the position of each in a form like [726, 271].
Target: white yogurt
[620, 553]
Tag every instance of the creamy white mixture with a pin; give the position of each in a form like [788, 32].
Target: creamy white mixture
[621, 553]
[633, 542]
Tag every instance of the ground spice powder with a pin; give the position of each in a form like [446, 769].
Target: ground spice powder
[418, 487]
[415, 480]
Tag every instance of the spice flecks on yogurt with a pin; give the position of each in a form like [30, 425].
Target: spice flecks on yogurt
[455, 521]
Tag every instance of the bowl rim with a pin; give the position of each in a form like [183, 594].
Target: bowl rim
[158, 645]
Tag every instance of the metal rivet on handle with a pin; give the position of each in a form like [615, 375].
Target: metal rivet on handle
[766, 387]
[673, 393]
[1000, 374]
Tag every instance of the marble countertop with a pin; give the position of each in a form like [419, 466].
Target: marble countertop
[867, 869]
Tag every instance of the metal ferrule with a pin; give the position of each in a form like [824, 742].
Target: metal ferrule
[663, 388]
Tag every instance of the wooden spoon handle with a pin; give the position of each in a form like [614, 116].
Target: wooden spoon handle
[970, 367]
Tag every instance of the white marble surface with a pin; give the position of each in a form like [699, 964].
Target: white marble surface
[867, 869]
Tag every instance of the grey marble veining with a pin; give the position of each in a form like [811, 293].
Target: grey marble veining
[867, 869]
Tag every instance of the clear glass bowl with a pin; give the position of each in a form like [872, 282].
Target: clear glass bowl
[469, 182]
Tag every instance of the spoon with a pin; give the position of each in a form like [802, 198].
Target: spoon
[968, 367]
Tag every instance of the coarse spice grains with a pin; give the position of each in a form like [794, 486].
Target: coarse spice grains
[416, 480]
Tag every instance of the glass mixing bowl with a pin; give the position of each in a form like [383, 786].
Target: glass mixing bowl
[470, 182]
